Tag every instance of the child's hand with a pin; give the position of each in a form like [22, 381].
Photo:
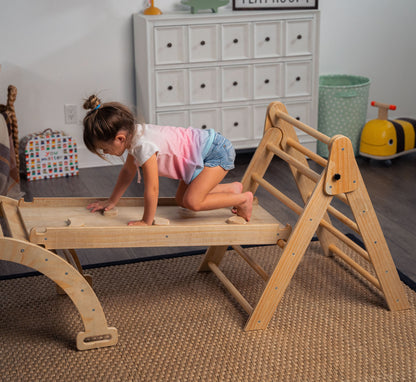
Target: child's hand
[101, 205]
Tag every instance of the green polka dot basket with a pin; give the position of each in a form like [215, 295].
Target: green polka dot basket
[343, 103]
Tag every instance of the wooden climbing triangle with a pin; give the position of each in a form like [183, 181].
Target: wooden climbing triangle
[340, 178]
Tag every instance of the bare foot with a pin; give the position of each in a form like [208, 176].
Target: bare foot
[244, 209]
[237, 188]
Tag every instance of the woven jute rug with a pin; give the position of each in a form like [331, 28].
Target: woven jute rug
[176, 324]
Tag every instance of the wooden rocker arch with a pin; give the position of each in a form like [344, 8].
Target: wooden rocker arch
[70, 280]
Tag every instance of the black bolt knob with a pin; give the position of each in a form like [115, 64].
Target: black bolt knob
[337, 176]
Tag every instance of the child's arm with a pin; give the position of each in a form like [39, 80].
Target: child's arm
[124, 179]
[151, 191]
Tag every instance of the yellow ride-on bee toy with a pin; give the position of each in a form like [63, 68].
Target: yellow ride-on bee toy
[385, 139]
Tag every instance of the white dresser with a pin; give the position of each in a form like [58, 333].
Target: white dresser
[222, 70]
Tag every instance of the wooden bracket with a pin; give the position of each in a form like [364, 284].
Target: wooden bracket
[342, 169]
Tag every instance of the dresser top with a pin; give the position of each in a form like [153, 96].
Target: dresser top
[226, 13]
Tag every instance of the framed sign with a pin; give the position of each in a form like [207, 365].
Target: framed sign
[256, 5]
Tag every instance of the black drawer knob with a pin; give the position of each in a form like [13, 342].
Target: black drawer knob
[235, 41]
[203, 86]
[170, 87]
[235, 124]
[266, 81]
[169, 45]
[202, 42]
[299, 37]
[298, 78]
[267, 39]
[203, 127]
[235, 83]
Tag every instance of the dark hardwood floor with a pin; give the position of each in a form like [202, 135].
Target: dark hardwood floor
[391, 187]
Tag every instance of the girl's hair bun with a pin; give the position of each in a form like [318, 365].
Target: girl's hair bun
[92, 102]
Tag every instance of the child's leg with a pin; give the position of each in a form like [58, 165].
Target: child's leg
[235, 187]
[199, 195]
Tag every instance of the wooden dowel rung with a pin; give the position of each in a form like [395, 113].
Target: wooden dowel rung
[333, 248]
[250, 261]
[297, 209]
[277, 194]
[302, 149]
[231, 288]
[305, 128]
[362, 252]
[294, 162]
[344, 219]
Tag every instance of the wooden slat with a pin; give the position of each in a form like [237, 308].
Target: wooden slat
[231, 288]
[333, 248]
[302, 149]
[250, 261]
[307, 171]
[300, 125]
[298, 209]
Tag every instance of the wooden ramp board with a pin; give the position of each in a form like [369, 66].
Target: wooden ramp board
[46, 222]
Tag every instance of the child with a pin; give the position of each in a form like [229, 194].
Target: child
[200, 159]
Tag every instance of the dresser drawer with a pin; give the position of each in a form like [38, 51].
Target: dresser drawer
[267, 81]
[236, 123]
[268, 39]
[203, 43]
[204, 119]
[170, 45]
[204, 85]
[172, 118]
[235, 41]
[171, 87]
[299, 37]
[236, 82]
[300, 111]
[298, 79]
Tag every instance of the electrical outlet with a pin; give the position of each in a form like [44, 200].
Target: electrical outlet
[71, 114]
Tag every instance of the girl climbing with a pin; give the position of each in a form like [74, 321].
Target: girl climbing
[200, 159]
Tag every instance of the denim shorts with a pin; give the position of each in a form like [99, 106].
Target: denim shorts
[221, 153]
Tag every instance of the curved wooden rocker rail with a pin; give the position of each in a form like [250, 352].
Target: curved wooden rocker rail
[97, 333]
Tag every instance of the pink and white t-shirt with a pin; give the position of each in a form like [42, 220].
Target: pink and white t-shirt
[180, 151]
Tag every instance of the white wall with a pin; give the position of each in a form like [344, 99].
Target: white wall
[59, 52]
